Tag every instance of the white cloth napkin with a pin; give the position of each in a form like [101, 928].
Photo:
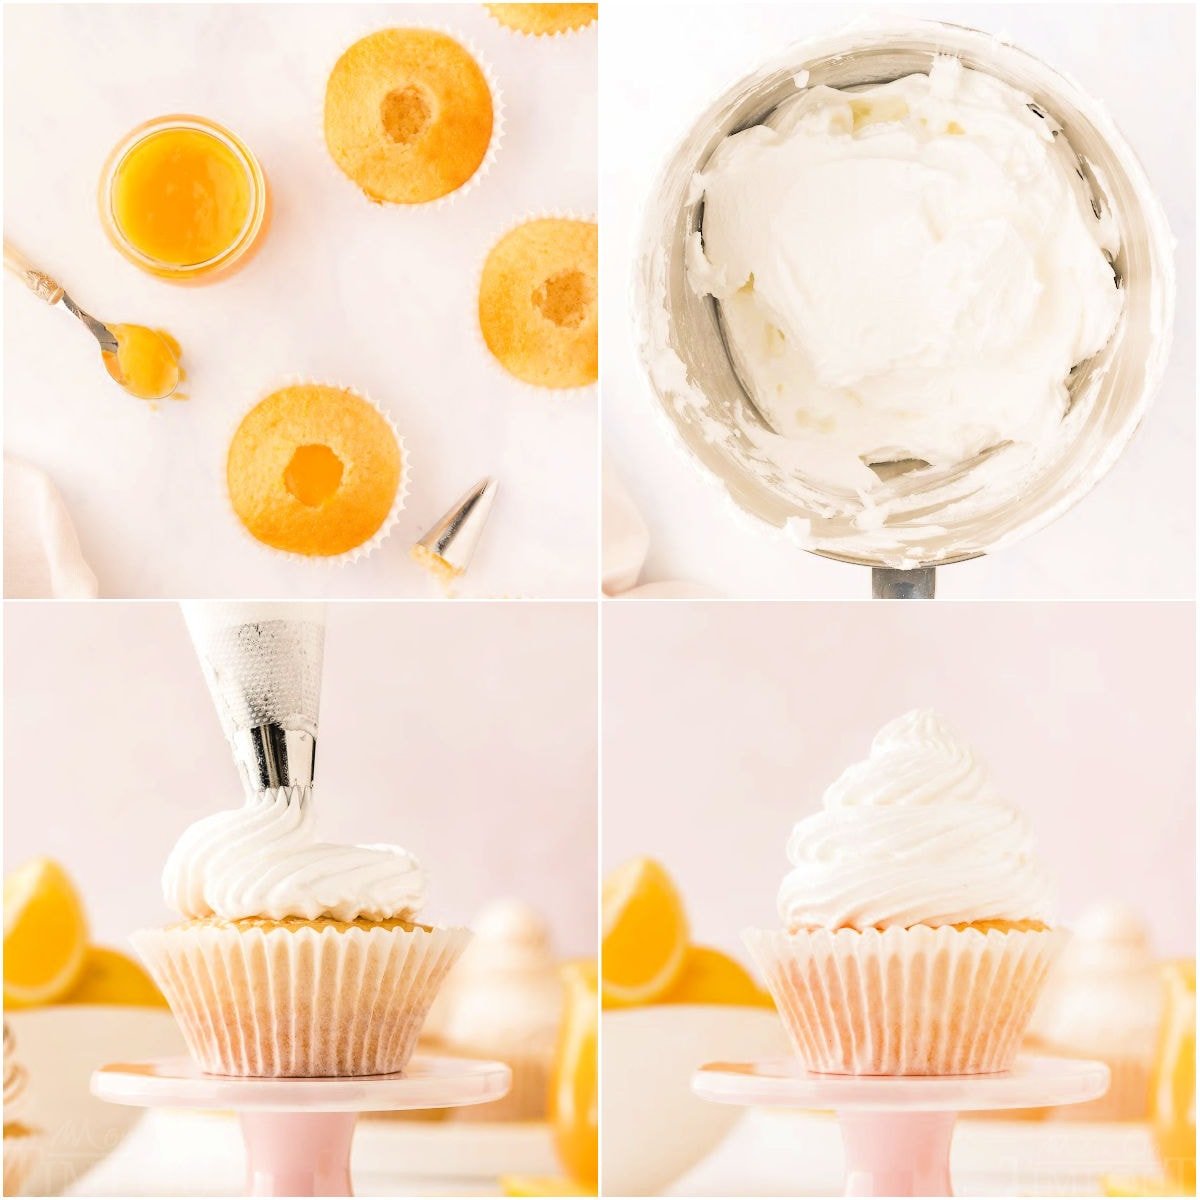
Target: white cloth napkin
[626, 544]
[42, 558]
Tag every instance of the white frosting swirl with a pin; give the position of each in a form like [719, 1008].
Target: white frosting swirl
[264, 860]
[914, 834]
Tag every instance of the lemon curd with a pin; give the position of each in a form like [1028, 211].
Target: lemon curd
[146, 363]
[184, 199]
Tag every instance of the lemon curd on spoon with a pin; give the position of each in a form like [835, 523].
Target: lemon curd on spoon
[146, 363]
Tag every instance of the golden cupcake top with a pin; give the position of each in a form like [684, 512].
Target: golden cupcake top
[314, 470]
[409, 115]
[292, 924]
[540, 19]
[538, 310]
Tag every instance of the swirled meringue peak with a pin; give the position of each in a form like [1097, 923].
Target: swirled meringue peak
[914, 834]
[264, 860]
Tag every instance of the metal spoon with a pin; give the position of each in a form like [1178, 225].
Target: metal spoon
[47, 288]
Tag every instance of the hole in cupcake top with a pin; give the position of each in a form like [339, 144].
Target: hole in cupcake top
[406, 114]
[565, 298]
[313, 475]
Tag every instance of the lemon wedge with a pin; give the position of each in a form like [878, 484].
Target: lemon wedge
[645, 934]
[110, 977]
[45, 934]
[711, 977]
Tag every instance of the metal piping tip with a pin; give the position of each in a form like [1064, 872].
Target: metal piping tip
[262, 663]
[447, 549]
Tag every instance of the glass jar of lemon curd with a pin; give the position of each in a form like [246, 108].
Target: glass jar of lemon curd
[184, 199]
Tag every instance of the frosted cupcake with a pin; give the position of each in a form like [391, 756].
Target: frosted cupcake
[916, 921]
[504, 1000]
[1104, 1000]
[295, 957]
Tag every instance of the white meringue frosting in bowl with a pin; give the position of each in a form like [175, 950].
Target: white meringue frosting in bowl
[905, 273]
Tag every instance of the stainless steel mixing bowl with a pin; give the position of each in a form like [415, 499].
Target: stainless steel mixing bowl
[942, 516]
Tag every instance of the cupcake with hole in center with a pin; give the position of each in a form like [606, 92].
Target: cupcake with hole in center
[295, 957]
[538, 308]
[916, 930]
[316, 470]
[409, 115]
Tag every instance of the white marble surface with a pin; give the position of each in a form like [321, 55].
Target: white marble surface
[1134, 535]
[342, 290]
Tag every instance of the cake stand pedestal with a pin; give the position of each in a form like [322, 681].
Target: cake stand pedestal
[298, 1131]
[897, 1129]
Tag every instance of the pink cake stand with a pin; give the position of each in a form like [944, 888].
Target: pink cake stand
[897, 1129]
[298, 1131]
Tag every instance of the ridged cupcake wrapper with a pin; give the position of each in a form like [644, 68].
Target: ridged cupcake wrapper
[586, 391]
[494, 142]
[546, 36]
[917, 1001]
[365, 549]
[300, 1002]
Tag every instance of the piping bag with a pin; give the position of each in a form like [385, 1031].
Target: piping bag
[262, 662]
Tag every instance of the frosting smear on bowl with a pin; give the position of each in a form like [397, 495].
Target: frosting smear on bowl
[907, 273]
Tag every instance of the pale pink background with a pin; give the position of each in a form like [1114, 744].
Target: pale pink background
[723, 724]
[465, 732]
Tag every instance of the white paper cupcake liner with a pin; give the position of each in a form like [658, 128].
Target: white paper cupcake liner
[917, 1001]
[498, 118]
[365, 549]
[586, 391]
[548, 36]
[303, 1001]
[21, 1154]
